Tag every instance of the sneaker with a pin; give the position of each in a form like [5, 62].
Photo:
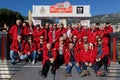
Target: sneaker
[100, 73]
[83, 73]
[40, 73]
[29, 61]
[33, 62]
[13, 63]
[68, 74]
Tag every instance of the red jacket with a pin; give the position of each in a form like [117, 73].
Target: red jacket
[106, 34]
[46, 57]
[67, 56]
[14, 46]
[62, 31]
[14, 32]
[50, 35]
[37, 34]
[79, 34]
[29, 48]
[43, 47]
[27, 30]
[105, 51]
[88, 56]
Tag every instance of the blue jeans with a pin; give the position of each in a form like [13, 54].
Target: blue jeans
[13, 55]
[69, 68]
[32, 55]
[94, 66]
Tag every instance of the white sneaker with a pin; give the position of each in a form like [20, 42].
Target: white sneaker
[33, 62]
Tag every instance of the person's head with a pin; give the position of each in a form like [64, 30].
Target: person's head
[93, 27]
[24, 24]
[74, 38]
[47, 25]
[64, 36]
[86, 46]
[69, 26]
[71, 45]
[85, 38]
[19, 38]
[30, 39]
[61, 26]
[48, 46]
[79, 25]
[38, 26]
[30, 23]
[97, 25]
[41, 38]
[18, 22]
[61, 40]
[99, 40]
[54, 25]
[107, 24]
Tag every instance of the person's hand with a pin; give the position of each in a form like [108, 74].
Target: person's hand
[86, 64]
[54, 40]
[70, 64]
[90, 64]
[77, 64]
[31, 33]
[28, 53]
[39, 52]
[51, 60]
[97, 59]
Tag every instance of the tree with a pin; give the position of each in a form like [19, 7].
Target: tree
[9, 17]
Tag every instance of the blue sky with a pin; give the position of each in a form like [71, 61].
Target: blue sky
[97, 6]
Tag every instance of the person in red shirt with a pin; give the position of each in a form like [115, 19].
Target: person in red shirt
[49, 58]
[37, 33]
[17, 49]
[16, 30]
[87, 57]
[41, 46]
[54, 34]
[71, 60]
[30, 49]
[106, 33]
[61, 29]
[102, 54]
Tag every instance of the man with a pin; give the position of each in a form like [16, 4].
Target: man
[102, 54]
[16, 30]
[49, 58]
[17, 49]
[71, 59]
[87, 58]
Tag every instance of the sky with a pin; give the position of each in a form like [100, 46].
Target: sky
[97, 6]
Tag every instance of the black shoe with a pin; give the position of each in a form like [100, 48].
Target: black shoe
[13, 63]
[40, 73]
[53, 71]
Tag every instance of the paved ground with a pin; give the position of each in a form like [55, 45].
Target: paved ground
[30, 72]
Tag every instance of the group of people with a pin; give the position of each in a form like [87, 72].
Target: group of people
[56, 45]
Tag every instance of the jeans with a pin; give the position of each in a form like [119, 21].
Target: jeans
[94, 66]
[32, 55]
[14, 55]
[69, 68]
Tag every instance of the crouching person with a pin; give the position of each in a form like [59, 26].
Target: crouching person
[102, 54]
[17, 50]
[30, 49]
[71, 60]
[88, 60]
[49, 57]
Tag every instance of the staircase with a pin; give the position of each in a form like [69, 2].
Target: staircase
[7, 70]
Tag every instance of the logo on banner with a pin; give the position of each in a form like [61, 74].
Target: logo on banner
[79, 10]
[61, 8]
[42, 10]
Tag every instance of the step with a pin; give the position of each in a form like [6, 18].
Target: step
[10, 69]
[5, 76]
[7, 72]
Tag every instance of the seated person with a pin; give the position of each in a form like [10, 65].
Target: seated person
[71, 59]
[30, 49]
[87, 57]
[102, 54]
[49, 58]
[17, 49]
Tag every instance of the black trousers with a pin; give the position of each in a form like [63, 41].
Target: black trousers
[104, 61]
[46, 68]
[60, 60]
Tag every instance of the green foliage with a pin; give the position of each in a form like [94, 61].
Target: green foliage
[9, 17]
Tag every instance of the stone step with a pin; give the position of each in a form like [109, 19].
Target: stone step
[7, 72]
[10, 69]
[5, 76]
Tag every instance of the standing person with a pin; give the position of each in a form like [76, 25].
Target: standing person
[54, 34]
[49, 58]
[46, 31]
[61, 29]
[71, 59]
[88, 60]
[30, 49]
[16, 30]
[41, 47]
[102, 54]
[106, 33]
[17, 49]
[69, 30]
